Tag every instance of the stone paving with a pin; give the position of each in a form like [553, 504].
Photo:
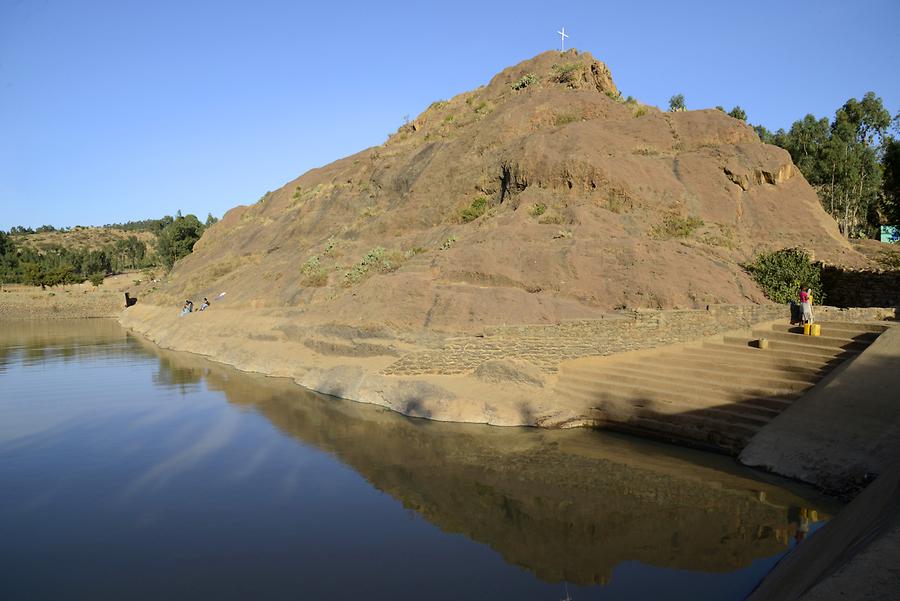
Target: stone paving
[546, 346]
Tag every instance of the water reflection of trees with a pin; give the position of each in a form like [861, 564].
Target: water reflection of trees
[172, 374]
[567, 505]
[32, 342]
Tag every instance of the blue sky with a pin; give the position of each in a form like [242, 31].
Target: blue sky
[119, 110]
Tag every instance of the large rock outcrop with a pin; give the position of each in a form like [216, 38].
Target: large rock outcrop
[589, 203]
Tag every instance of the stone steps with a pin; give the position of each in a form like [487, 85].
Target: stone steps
[716, 394]
[726, 368]
[753, 354]
[684, 429]
[856, 326]
[759, 406]
[680, 376]
[830, 331]
[790, 345]
[721, 372]
[748, 356]
[818, 342]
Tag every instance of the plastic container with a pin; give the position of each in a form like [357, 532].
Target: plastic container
[806, 329]
[815, 329]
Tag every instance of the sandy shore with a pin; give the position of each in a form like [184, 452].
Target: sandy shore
[348, 363]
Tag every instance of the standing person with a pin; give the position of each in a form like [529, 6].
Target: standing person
[805, 305]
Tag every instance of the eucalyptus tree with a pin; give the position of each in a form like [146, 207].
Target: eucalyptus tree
[844, 160]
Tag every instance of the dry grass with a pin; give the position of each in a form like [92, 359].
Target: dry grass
[675, 226]
[725, 238]
[222, 268]
[561, 119]
[645, 150]
[617, 201]
[538, 209]
[551, 219]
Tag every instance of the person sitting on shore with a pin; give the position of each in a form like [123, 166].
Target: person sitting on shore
[187, 308]
[205, 304]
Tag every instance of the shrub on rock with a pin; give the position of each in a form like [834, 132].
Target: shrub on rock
[781, 273]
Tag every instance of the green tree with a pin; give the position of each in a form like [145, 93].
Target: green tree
[844, 160]
[129, 252]
[7, 246]
[889, 207]
[856, 175]
[34, 274]
[807, 140]
[676, 103]
[765, 136]
[9, 260]
[96, 261]
[738, 113]
[137, 250]
[62, 274]
[210, 220]
[177, 239]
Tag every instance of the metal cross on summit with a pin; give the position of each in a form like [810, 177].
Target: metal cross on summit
[562, 39]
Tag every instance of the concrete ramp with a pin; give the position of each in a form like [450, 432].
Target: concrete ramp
[716, 394]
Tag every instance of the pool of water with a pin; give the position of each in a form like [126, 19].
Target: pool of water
[131, 472]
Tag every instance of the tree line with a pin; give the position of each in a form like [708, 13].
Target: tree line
[852, 160]
[58, 265]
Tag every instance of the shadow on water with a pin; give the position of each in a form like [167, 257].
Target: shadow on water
[567, 505]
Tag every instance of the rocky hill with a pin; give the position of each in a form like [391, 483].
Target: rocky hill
[540, 196]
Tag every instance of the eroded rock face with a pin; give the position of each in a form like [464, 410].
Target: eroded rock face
[538, 197]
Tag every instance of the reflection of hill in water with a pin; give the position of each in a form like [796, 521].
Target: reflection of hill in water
[569, 505]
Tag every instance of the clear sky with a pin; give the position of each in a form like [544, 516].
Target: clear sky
[118, 110]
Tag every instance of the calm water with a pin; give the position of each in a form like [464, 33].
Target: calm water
[128, 472]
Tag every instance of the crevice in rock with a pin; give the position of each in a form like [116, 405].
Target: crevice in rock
[511, 181]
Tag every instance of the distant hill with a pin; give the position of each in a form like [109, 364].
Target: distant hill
[84, 238]
[542, 195]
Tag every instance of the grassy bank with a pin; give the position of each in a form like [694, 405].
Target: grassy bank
[65, 302]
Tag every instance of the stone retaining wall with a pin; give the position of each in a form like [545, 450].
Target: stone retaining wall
[546, 346]
[861, 288]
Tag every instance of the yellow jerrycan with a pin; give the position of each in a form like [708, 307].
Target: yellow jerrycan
[806, 329]
[815, 329]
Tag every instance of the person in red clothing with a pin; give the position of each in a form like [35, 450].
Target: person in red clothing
[805, 305]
